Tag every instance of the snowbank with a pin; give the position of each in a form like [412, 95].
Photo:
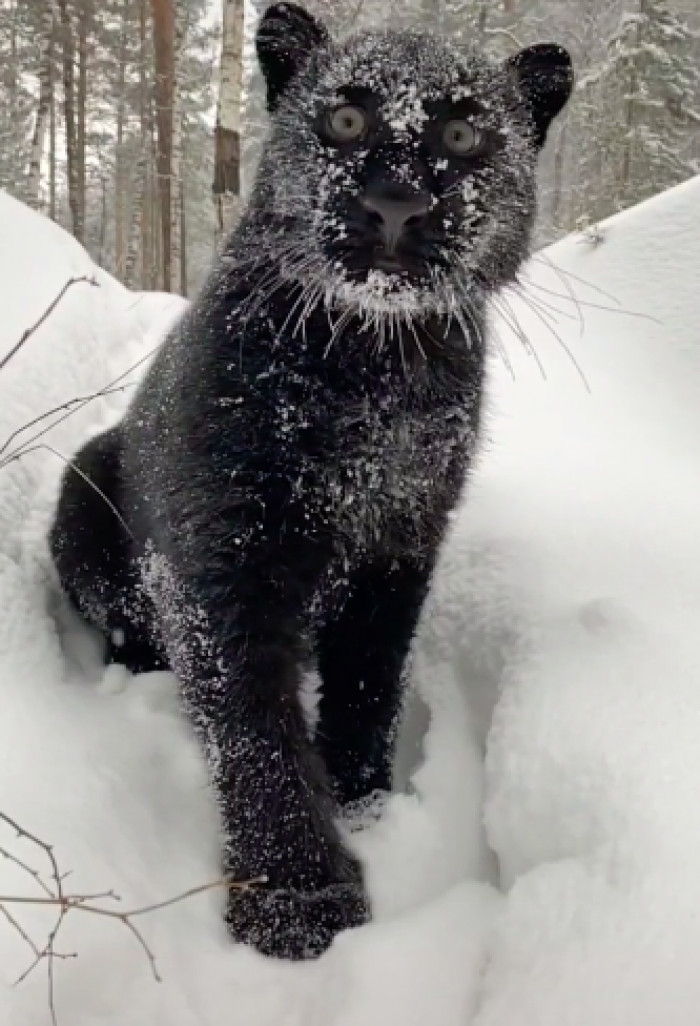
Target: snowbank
[581, 545]
[544, 865]
[95, 333]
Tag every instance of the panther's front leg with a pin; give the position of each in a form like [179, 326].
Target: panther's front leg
[232, 635]
[362, 653]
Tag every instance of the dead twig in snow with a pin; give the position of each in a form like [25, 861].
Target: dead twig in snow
[64, 411]
[46, 314]
[55, 896]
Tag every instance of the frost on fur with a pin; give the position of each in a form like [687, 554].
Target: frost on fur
[482, 210]
[285, 474]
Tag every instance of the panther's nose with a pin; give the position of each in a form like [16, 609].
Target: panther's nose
[393, 208]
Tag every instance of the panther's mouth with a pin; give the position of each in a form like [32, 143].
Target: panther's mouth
[390, 263]
[401, 266]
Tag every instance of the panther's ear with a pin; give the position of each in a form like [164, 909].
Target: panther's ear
[544, 76]
[285, 38]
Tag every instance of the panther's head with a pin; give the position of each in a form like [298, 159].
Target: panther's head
[400, 169]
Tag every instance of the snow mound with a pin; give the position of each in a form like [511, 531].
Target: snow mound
[571, 591]
[544, 865]
[93, 335]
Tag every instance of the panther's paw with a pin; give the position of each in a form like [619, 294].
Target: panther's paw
[295, 924]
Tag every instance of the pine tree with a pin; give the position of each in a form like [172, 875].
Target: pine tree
[651, 76]
[78, 112]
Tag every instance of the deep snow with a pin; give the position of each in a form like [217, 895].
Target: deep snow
[568, 598]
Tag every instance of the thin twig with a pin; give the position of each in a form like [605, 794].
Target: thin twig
[46, 848]
[75, 407]
[68, 405]
[56, 897]
[46, 314]
[76, 469]
[59, 898]
[27, 869]
[82, 903]
[23, 934]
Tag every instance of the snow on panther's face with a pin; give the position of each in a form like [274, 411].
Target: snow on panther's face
[400, 170]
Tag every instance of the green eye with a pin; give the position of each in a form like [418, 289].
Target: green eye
[346, 123]
[461, 138]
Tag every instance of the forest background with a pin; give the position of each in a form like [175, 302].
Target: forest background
[135, 124]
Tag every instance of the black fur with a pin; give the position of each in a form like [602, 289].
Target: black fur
[544, 75]
[278, 490]
[286, 37]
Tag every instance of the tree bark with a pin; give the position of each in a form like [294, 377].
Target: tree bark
[630, 120]
[119, 153]
[43, 113]
[183, 242]
[84, 18]
[103, 220]
[12, 74]
[163, 12]
[52, 146]
[558, 184]
[69, 117]
[176, 192]
[145, 128]
[227, 158]
[153, 269]
[135, 229]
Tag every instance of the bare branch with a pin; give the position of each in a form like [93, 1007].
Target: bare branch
[24, 935]
[72, 406]
[26, 868]
[46, 848]
[46, 314]
[79, 400]
[55, 897]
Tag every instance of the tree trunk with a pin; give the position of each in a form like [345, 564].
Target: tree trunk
[176, 201]
[154, 265]
[482, 20]
[119, 175]
[558, 186]
[146, 150]
[227, 158]
[163, 12]
[43, 113]
[52, 147]
[103, 221]
[630, 123]
[157, 237]
[69, 116]
[176, 283]
[135, 230]
[84, 18]
[12, 75]
[183, 242]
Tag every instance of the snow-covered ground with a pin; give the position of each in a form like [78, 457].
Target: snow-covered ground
[543, 866]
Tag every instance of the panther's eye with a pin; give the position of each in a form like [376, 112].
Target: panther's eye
[461, 138]
[346, 123]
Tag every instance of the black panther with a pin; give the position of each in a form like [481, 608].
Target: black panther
[280, 486]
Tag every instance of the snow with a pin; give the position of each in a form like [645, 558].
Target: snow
[543, 865]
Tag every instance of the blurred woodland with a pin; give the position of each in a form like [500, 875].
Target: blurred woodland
[135, 124]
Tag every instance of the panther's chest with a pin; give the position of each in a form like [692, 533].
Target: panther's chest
[390, 473]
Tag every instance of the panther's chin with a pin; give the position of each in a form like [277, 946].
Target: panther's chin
[390, 263]
[376, 285]
[385, 293]
[401, 266]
